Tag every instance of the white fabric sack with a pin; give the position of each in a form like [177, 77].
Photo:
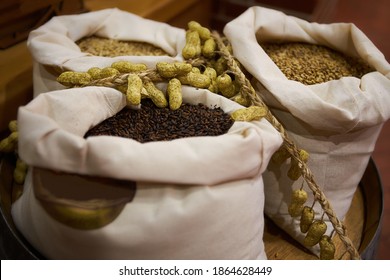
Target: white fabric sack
[196, 197]
[53, 46]
[337, 122]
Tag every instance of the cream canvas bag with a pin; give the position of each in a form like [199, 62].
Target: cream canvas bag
[54, 50]
[337, 122]
[195, 198]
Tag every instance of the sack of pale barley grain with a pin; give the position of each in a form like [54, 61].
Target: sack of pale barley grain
[329, 86]
[98, 39]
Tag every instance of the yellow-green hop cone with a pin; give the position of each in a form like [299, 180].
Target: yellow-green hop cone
[209, 47]
[212, 74]
[171, 70]
[13, 126]
[134, 88]
[70, 78]
[156, 95]
[280, 155]
[204, 33]
[249, 114]
[107, 72]
[316, 230]
[129, 67]
[226, 86]
[94, 72]
[295, 170]
[298, 198]
[20, 171]
[195, 79]
[327, 248]
[192, 48]
[9, 144]
[295, 209]
[307, 218]
[174, 94]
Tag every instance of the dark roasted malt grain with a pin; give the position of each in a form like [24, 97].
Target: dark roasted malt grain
[151, 123]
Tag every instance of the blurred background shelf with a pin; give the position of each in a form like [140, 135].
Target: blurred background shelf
[173, 12]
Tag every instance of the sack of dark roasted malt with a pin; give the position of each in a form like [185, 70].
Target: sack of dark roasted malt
[329, 86]
[110, 182]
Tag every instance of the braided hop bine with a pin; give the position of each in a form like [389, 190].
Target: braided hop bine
[9, 145]
[209, 64]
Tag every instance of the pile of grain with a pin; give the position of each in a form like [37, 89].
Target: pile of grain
[151, 123]
[110, 48]
[313, 64]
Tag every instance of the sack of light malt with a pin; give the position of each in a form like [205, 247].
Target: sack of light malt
[334, 114]
[188, 198]
[98, 39]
